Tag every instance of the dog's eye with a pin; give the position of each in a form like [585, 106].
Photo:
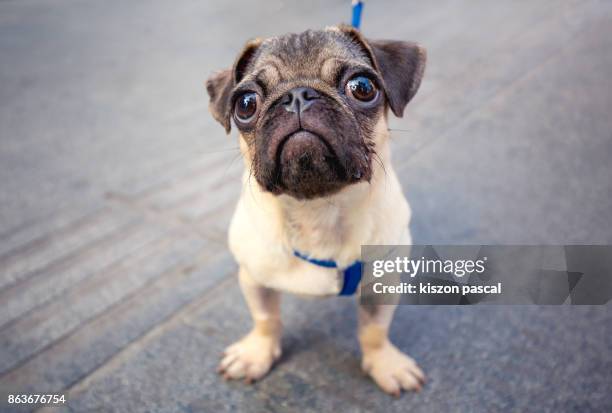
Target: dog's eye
[246, 107]
[362, 88]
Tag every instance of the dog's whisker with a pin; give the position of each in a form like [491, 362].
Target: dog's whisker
[234, 158]
[231, 163]
[376, 156]
[251, 186]
[400, 130]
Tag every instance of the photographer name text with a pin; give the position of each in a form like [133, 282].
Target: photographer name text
[418, 267]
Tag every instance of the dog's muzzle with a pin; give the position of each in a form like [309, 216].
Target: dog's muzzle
[309, 148]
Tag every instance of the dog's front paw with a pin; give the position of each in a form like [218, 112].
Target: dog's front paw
[251, 357]
[392, 370]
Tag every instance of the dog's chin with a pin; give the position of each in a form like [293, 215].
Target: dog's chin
[307, 167]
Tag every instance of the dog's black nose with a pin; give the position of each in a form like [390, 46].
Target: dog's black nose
[299, 99]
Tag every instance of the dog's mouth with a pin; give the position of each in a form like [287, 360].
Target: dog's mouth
[307, 165]
[306, 147]
[305, 135]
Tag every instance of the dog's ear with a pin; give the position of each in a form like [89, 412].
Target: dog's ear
[401, 65]
[220, 84]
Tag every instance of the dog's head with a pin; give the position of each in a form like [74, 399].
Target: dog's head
[307, 105]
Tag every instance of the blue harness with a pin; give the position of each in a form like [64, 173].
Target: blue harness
[352, 274]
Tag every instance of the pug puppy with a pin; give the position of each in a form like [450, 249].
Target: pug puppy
[311, 110]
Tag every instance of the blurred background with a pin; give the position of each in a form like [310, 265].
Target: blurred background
[117, 186]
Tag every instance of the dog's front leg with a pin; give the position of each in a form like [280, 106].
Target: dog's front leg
[391, 369]
[253, 355]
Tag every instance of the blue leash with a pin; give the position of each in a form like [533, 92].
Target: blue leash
[352, 274]
[357, 8]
